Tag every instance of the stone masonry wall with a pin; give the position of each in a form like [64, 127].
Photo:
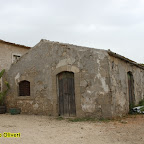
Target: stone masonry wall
[41, 65]
[119, 85]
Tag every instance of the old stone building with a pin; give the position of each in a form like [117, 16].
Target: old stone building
[67, 80]
[10, 53]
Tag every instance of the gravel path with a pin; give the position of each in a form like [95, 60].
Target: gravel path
[46, 130]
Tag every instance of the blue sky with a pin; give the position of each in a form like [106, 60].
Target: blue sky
[105, 24]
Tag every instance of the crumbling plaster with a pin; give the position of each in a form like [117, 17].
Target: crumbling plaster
[101, 83]
[119, 85]
[41, 65]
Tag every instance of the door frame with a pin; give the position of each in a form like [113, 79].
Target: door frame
[132, 97]
[59, 103]
[76, 71]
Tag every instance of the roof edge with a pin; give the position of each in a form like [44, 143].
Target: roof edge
[125, 59]
[18, 45]
[69, 44]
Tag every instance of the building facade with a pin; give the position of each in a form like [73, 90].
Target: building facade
[66, 80]
[10, 53]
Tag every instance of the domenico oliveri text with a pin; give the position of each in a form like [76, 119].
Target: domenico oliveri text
[10, 135]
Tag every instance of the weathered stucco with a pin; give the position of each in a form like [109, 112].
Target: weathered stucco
[119, 85]
[41, 65]
[6, 52]
[101, 83]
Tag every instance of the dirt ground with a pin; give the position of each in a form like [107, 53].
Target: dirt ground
[46, 130]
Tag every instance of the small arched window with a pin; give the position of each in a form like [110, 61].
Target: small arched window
[24, 88]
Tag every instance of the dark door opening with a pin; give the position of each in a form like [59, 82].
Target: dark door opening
[66, 94]
[131, 90]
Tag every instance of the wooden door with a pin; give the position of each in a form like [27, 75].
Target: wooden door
[131, 89]
[66, 94]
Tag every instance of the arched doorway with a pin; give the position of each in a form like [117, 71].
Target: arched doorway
[131, 89]
[66, 94]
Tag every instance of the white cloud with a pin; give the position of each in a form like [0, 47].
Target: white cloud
[114, 24]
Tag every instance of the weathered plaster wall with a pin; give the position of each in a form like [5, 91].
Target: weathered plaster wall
[6, 51]
[41, 65]
[119, 85]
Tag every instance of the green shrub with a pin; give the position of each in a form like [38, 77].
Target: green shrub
[3, 93]
[141, 103]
